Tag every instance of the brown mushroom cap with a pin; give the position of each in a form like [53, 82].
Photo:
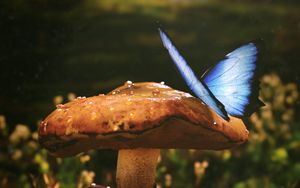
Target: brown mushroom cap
[140, 115]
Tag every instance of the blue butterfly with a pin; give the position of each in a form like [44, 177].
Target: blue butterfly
[227, 88]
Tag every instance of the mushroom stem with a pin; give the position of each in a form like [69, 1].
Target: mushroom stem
[136, 168]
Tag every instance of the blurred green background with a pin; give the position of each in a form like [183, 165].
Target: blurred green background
[53, 50]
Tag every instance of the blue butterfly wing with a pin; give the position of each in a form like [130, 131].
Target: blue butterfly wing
[231, 79]
[191, 79]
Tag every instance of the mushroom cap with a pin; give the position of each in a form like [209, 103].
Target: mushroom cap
[140, 115]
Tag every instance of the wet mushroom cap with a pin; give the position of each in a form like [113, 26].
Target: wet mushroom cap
[140, 115]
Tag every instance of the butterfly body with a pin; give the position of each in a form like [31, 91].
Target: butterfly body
[226, 88]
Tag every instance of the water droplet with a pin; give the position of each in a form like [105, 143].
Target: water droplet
[101, 94]
[93, 185]
[215, 123]
[93, 116]
[79, 97]
[155, 92]
[60, 106]
[129, 83]
[44, 125]
[115, 92]
[115, 128]
[70, 119]
[162, 83]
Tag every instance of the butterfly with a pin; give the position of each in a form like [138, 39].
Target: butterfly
[229, 87]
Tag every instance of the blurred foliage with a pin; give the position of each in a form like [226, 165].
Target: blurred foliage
[269, 159]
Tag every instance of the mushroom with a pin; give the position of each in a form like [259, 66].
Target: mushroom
[138, 120]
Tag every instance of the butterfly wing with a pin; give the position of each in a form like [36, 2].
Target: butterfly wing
[191, 79]
[231, 80]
